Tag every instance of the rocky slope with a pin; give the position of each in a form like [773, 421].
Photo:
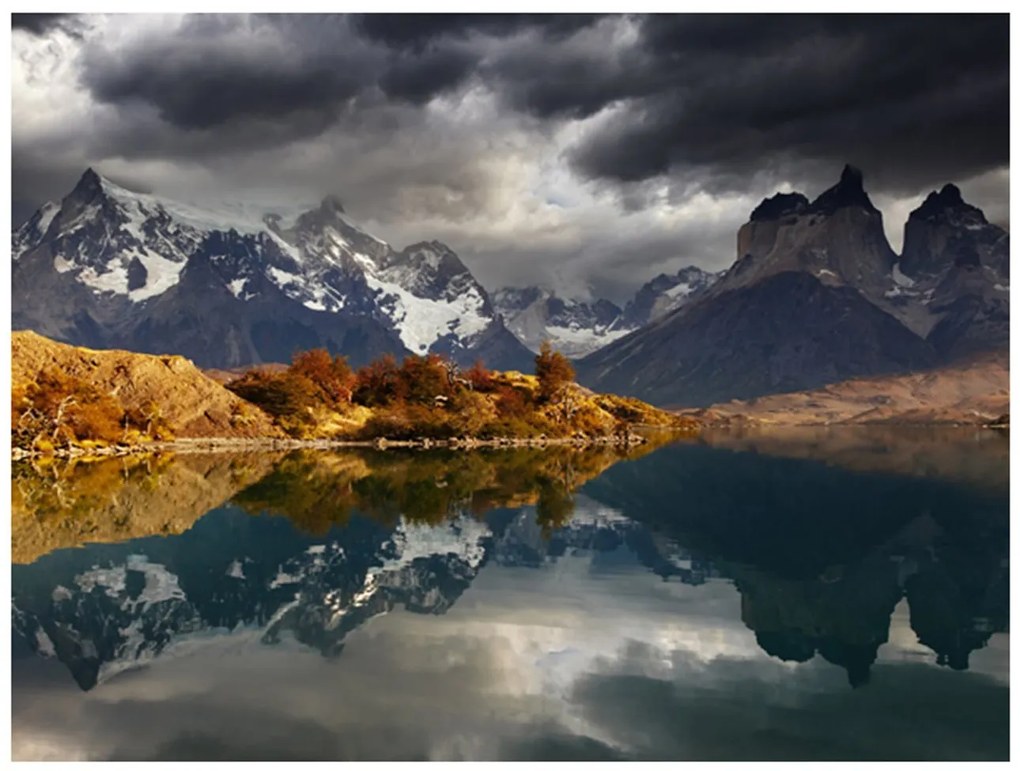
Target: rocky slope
[578, 327]
[817, 296]
[233, 285]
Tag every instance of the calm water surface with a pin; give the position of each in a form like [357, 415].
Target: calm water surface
[835, 594]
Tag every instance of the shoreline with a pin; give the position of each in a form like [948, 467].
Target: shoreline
[279, 444]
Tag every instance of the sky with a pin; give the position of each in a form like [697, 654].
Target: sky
[587, 153]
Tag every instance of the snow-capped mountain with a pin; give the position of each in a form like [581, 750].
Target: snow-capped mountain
[578, 327]
[231, 284]
[574, 327]
[667, 292]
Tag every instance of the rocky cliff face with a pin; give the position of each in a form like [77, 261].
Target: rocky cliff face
[231, 285]
[816, 296]
[955, 266]
[838, 238]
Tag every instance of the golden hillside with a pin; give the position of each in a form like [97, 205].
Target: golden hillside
[158, 396]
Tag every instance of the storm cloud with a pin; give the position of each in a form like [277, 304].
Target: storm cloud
[582, 151]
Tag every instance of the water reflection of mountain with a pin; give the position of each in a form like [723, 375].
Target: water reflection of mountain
[820, 555]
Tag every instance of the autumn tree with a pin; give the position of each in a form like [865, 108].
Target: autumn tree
[424, 378]
[287, 395]
[479, 378]
[379, 383]
[554, 372]
[330, 374]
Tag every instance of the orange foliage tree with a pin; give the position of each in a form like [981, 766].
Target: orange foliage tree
[378, 383]
[554, 372]
[332, 375]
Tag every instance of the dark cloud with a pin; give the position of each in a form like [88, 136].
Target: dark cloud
[417, 79]
[911, 99]
[42, 23]
[419, 30]
[213, 71]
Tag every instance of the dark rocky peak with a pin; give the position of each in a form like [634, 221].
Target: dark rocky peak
[946, 204]
[778, 206]
[435, 254]
[606, 309]
[848, 192]
[331, 205]
[90, 191]
[89, 185]
[945, 231]
[326, 214]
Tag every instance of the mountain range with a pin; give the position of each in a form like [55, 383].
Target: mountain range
[815, 296]
[818, 296]
[109, 267]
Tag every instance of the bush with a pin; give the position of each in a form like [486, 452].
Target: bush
[289, 397]
[60, 410]
[479, 378]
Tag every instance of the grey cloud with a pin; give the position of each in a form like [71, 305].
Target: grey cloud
[214, 71]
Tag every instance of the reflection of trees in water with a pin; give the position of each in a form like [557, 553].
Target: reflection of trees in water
[318, 491]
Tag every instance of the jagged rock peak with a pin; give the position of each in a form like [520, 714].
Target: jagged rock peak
[778, 206]
[849, 191]
[89, 184]
[948, 198]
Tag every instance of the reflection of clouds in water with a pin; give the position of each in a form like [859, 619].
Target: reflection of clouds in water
[733, 709]
[562, 661]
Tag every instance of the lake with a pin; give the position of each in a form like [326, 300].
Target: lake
[811, 594]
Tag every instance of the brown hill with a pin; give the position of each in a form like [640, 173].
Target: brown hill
[972, 393]
[190, 404]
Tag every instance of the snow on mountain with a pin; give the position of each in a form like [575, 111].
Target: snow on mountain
[119, 245]
[666, 293]
[578, 327]
[573, 326]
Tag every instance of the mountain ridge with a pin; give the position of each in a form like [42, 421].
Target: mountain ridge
[109, 266]
[857, 308]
